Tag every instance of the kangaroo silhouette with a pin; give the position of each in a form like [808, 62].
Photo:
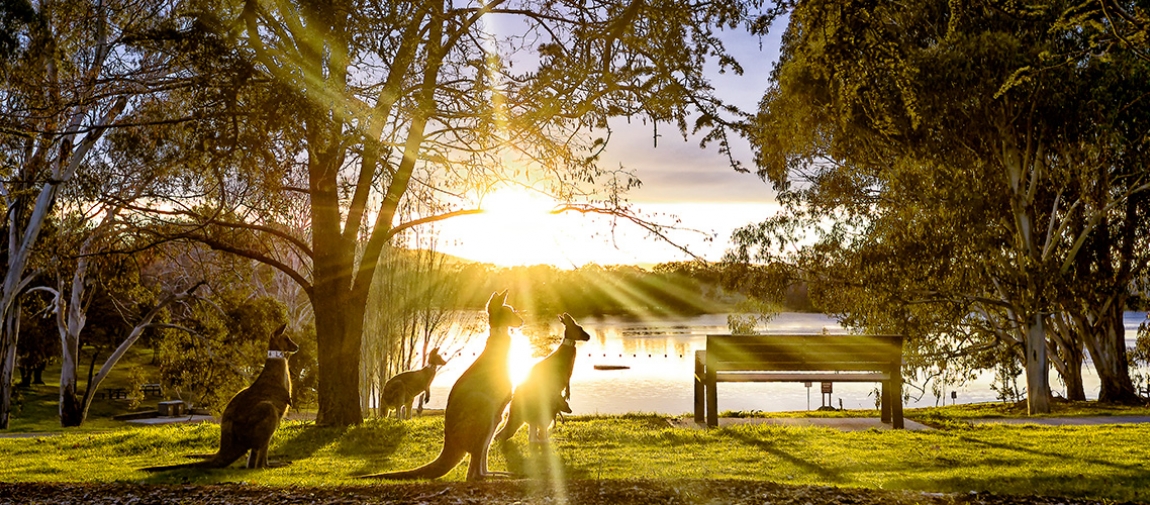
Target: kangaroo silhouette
[400, 391]
[252, 415]
[534, 399]
[475, 404]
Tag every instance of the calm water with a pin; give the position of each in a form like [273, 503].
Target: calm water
[660, 355]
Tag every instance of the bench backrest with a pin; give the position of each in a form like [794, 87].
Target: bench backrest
[853, 353]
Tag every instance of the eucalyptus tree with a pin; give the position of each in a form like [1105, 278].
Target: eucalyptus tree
[344, 109]
[960, 143]
[70, 71]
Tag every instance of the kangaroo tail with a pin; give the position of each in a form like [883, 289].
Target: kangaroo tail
[217, 460]
[448, 458]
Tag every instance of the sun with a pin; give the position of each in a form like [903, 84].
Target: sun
[517, 227]
[518, 203]
[520, 359]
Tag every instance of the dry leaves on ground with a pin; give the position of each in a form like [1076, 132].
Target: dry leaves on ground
[611, 492]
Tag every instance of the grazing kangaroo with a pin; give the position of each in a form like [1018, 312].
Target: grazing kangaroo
[475, 404]
[549, 377]
[253, 414]
[400, 391]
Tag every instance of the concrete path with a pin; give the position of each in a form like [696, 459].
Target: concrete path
[866, 423]
[841, 423]
[1064, 421]
[172, 420]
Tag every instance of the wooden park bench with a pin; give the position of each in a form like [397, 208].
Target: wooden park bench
[799, 358]
[114, 393]
[152, 390]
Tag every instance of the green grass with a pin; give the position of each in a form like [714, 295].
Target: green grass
[959, 416]
[1103, 462]
[1106, 462]
[36, 408]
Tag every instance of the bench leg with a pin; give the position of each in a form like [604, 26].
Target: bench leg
[712, 399]
[896, 401]
[700, 392]
[886, 402]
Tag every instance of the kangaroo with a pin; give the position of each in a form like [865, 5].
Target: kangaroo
[400, 391]
[475, 404]
[549, 377]
[538, 409]
[253, 414]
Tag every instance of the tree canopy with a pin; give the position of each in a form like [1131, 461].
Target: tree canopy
[960, 169]
[315, 132]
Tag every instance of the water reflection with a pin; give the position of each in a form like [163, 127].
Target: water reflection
[658, 356]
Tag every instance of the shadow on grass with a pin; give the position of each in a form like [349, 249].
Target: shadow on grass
[372, 444]
[304, 440]
[538, 463]
[1049, 454]
[1121, 488]
[824, 473]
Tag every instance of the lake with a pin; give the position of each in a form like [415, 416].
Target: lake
[660, 356]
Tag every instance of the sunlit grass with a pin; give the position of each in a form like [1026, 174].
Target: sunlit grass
[1108, 461]
[36, 409]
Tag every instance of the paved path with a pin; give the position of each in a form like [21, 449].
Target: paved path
[1065, 421]
[866, 423]
[841, 423]
[171, 420]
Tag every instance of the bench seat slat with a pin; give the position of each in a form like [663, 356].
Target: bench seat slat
[800, 377]
[753, 366]
[829, 356]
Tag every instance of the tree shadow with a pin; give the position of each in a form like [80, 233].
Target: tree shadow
[1048, 454]
[304, 440]
[772, 449]
[538, 462]
[374, 445]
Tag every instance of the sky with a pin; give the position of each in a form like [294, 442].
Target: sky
[680, 181]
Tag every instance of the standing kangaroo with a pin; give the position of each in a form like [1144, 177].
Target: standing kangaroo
[400, 391]
[550, 377]
[253, 414]
[475, 404]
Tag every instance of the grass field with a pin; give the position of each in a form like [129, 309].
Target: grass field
[1109, 462]
[1103, 462]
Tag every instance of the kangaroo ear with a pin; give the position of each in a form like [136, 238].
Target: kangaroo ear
[503, 297]
[566, 318]
[279, 331]
[434, 351]
[494, 301]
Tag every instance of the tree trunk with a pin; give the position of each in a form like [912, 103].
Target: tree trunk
[1037, 368]
[1107, 345]
[11, 328]
[1066, 335]
[1072, 377]
[71, 405]
[339, 331]
[339, 312]
[25, 377]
